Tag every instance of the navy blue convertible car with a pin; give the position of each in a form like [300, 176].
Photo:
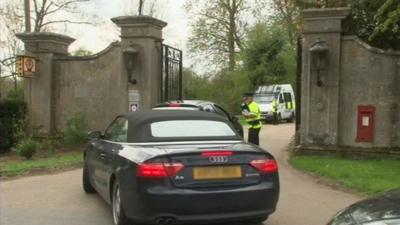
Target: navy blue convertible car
[177, 167]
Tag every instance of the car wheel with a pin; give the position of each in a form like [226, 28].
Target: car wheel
[87, 186]
[117, 210]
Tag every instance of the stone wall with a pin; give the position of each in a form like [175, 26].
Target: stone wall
[354, 74]
[369, 76]
[96, 85]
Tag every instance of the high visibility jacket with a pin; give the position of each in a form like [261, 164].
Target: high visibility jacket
[274, 106]
[254, 122]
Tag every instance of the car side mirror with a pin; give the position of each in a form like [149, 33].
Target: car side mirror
[95, 134]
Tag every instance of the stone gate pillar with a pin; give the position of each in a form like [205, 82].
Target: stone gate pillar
[321, 45]
[39, 90]
[141, 39]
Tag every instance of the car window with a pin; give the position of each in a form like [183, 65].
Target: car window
[220, 111]
[117, 131]
[263, 98]
[288, 97]
[191, 128]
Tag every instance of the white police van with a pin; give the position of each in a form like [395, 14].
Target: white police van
[283, 94]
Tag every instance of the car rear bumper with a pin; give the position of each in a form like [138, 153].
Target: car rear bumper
[200, 206]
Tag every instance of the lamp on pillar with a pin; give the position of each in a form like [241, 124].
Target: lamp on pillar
[319, 58]
[130, 55]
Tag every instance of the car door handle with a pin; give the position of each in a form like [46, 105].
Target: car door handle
[103, 155]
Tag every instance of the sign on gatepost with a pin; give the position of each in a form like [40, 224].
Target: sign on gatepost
[133, 97]
[25, 66]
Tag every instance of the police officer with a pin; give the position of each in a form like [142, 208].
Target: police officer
[251, 111]
[275, 110]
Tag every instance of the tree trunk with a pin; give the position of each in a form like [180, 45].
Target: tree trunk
[27, 8]
[231, 34]
[141, 2]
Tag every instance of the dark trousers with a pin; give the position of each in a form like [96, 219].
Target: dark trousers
[275, 118]
[254, 136]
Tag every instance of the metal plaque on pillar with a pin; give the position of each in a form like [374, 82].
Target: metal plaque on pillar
[133, 98]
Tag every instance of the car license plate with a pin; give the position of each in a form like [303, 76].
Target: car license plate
[217, 172]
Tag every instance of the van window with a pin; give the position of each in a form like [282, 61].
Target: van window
[288, 97]
[281, 100]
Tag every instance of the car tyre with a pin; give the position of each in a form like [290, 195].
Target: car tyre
[119, 217]
[87, 186]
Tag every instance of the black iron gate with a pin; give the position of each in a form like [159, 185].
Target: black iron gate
[171, 73]
[298, 82]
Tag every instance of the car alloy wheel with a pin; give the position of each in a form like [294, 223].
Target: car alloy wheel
[116, 204]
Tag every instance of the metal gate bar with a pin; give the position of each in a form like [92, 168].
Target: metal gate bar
[171, 74]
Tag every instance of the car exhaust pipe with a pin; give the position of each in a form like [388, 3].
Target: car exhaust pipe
[165, 221]
[160, 221]
[169, 221]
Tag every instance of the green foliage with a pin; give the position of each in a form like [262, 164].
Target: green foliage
[50, 144]
[218, 28]
[367, 175]
[59, 161]
[268, 57]
[27, 148]
[387, 30]
[16, 95]
[376, 22]
[75, 133]
[82, 52]
[225, 88]
[12, 118]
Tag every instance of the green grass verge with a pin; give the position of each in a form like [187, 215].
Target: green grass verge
[368, 176]
[59, 161]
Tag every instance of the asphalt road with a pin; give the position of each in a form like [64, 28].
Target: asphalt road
[58, 199]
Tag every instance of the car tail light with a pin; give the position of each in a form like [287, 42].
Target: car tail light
[265, 165]
[159, 170]
[216, 153]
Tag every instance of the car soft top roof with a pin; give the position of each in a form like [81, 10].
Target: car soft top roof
[139, 124]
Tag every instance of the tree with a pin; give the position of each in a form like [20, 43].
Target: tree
[268, 57]
[82, 52]
[140, 9]
[44, 9]
[12, 23]
[218, 29]
[387, 31]
[144, 7]
[375, 21]
[287, 12]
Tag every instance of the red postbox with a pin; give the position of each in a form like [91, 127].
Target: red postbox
[365, 123]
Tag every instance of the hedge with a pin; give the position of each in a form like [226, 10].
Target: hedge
[12, 112]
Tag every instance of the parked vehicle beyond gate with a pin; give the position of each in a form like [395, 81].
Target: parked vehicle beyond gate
[283, 96]
[175, 167]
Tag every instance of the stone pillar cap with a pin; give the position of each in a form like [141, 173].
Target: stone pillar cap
[122, 21]
[326, 13]
[45, 37]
